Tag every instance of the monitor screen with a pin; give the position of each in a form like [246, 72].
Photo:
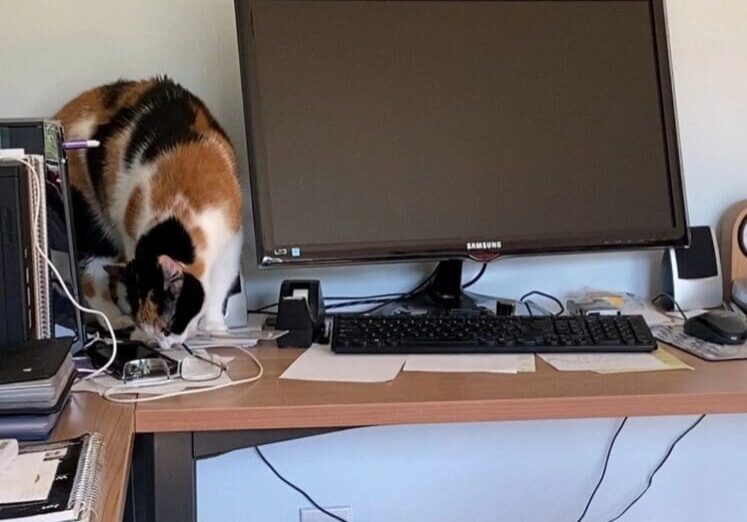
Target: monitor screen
[411, 129]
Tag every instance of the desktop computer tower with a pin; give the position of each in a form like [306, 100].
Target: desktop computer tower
[14, 230]
[29, 293]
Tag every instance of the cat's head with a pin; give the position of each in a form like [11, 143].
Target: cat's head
[163, 298]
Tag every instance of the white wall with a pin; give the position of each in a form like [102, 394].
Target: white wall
[540, 471]
[51, 49]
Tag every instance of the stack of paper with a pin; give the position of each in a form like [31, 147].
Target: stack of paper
[319, 363]
[606, 363]
[470, 363]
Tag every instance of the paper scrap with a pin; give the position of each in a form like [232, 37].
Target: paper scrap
[607, 363]
[246, 337]
[471, 363]
[28, 478]
[319, 363]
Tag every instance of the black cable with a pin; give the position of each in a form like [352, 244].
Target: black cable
[672, 300]
[191, 352]
[348, 304]
[383, 299]
[658, 467]
[263, 309]
[407, 295]
[546, 296]
[604, 470]
[299, 490]
[476, 278]
[356, 297]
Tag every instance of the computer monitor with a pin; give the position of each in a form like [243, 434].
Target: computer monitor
[402, 130]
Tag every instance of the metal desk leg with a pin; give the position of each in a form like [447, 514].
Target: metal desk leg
[164, 468]
[164, 478]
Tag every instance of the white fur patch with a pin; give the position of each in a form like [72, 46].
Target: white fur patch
[82, 129]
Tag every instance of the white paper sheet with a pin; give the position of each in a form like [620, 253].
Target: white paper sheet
[28, 478]
[604, 362]
[471, 363]
[319, 363]
[246, 337]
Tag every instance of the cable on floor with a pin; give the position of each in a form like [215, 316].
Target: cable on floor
[604, 469]
[296, 488]
[657, 468]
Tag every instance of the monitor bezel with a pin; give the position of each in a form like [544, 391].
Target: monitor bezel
[269, 254]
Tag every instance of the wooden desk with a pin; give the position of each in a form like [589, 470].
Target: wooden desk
[432, 397]
[177, 432]
[88, 412]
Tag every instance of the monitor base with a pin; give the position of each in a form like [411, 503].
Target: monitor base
[443, 295]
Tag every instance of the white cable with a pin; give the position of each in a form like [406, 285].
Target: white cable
[127, 390]
[37, 214]
[95, 373]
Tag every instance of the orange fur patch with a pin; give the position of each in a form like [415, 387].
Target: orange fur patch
[132, 211]
[199, 174]
[148, 313]
[198, 237]
[90, 105]
[88, 289]
[197, 268]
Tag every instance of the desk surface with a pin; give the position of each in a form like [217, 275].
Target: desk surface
[88, 412]
[272, 403]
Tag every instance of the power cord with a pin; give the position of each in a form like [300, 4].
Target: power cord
[604, 469]
[407, 295]
[375, 299]
[477, 277]
[658, 467]
[523, 300]
[651, 476]
[35, 225]
[296, 488]
[111, 393]
[671, 300]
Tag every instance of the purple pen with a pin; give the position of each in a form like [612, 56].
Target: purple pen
[81, 144]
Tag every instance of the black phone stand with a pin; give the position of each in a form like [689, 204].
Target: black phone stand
[301, 312]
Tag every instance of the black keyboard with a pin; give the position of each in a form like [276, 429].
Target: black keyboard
[490, 334]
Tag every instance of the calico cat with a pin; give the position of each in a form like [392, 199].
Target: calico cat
[157, 207]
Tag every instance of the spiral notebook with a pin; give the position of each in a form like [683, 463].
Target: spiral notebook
[74, 492]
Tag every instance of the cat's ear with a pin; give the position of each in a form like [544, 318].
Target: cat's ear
[173, 275]
[116, 271]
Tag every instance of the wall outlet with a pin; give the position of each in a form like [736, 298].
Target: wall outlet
[314, 515]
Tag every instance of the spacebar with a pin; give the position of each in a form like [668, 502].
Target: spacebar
[423, 343]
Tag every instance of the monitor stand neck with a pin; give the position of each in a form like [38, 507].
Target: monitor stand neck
[442, 295]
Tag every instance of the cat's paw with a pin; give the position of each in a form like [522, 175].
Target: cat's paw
[213, 326]
[122, 322]
[139, 335]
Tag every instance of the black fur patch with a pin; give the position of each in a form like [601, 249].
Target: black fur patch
[95, 157]
[211, 119]
[144, 275]
[112, 91]
[162, 117]
[90, 237]
[166, 123]
[168, 237]
[188, 305]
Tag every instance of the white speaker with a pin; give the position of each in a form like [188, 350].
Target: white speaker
[692, 275]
